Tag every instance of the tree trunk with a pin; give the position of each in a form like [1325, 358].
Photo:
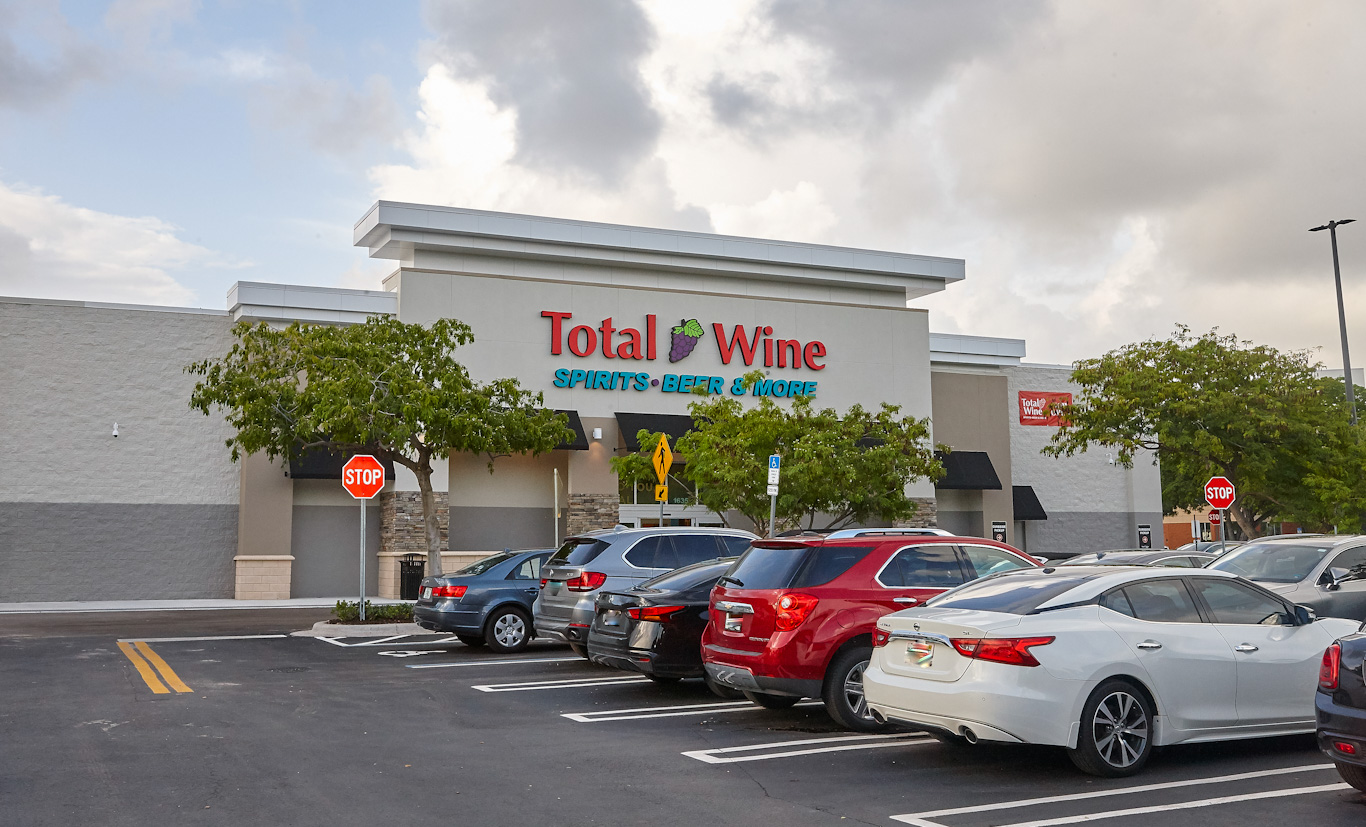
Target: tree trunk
[429, 516]
[1244, 519]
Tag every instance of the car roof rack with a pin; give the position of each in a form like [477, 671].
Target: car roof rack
[888, 532]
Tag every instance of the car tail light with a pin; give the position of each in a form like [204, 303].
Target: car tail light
[1345, 748]
[880, 637]
[793, 608]
[1010, 650]
[1328, 671]
[543, 582]
[659, 614]
[449, 591]
[586, 582]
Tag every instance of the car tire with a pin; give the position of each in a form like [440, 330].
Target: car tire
[507, 630]
[470, 640]
[1353, 774]
[843, 691]
[1116, 736]
[724, 692]
[768, 701]
[580, 650]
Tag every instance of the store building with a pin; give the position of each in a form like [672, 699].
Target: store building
[613, 324]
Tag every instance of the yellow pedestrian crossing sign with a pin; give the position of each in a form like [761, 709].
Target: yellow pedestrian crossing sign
[664, 460]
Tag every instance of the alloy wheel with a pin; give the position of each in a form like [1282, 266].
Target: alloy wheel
[1120, 729]
[853, 691]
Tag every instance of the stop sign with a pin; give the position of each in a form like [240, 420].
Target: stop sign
[1214, 518]
[1219, 492]
[362, 476]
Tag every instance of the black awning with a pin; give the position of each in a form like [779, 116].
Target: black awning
[322, 464]
[673, 425]
[1027, 505]
[580, 440]
[968, 470]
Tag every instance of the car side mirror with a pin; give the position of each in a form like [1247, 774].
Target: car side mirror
[1332, 578]
[1304, 615]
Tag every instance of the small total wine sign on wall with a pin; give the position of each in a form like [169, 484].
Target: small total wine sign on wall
[1036, 407]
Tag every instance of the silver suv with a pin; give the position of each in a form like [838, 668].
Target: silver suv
[617, 559]
[1327, 574]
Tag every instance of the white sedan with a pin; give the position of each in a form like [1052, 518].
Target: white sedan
[1105, 661]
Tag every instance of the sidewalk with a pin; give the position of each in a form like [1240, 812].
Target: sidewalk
[192, 605]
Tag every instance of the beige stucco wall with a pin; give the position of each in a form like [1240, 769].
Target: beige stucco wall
[967, 418]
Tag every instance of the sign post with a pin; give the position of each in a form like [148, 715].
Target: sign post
[663, 461]
[362, 477]
[775, 466]
[1220, 495]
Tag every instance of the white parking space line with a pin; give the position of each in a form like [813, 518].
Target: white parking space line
[646, 712]
[197, 639]
[923, 819]
[489, 662]
[788, 749]
[337, 641]
[1185, 805]
[570, 683]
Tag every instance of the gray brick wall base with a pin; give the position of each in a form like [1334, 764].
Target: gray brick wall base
[116, 551]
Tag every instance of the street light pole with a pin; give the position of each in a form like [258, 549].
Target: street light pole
[1332, 228]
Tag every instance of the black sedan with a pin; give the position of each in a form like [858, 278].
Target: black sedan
[1341, 707]
[656, 628]
[488, 601]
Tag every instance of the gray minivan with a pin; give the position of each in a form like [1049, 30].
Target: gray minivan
[616, 559]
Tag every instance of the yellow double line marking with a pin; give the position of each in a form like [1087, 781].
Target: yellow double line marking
[140, 653]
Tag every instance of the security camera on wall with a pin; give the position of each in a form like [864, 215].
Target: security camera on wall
[116, 430]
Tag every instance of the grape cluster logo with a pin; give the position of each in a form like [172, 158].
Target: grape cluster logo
[684, 338]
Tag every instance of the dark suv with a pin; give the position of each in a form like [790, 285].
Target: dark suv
[1341, 707]
[794, 618]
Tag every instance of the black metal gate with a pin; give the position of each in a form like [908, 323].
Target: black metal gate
[410, 572]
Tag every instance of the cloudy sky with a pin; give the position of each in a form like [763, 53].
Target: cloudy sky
[1107, 169]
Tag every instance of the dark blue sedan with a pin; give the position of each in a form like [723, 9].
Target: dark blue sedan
[486, 602]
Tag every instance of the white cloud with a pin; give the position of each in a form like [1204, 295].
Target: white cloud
[52, 249]
[463, 153]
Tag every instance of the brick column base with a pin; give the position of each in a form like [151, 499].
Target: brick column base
[587, 512]
[263, 576]
[926, 514]
[401, 529]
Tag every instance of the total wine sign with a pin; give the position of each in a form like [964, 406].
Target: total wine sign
[756, 346]
[1038, 407]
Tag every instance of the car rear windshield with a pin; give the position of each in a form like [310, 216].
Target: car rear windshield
[481, 566]
[794, 568]
[1273, 562]
[1011, 594]
[578, 552]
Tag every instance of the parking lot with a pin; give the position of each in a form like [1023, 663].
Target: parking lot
[223, 718]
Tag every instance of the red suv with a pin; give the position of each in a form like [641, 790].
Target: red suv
[794, 618]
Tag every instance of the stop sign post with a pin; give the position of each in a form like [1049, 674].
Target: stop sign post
[1220, 495]
[362, 477]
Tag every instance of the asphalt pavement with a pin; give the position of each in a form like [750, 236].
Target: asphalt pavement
[224, 718]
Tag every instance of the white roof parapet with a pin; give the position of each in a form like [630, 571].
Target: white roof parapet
[257, 301]
[489, 239]
[955, 348]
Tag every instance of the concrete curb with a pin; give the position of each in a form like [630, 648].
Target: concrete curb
[326, 628]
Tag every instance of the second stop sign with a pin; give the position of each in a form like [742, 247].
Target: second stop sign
[1219, 493]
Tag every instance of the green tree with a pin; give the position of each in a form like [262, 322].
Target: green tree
[1213, 404]
[384, 387]
[852, 468]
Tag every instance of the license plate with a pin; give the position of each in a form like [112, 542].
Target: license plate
[920, 653]
[733, 623]
[611, 618]
[553, 587]
[427, 593]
